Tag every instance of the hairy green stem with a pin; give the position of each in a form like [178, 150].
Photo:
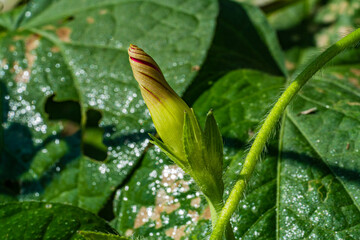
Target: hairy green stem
[265, 131]
[215, 210]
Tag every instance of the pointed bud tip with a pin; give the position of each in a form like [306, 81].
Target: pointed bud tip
[141, 58]
[132, 50]
[133, 47]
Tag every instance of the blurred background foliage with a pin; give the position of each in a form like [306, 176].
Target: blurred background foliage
[74, 127]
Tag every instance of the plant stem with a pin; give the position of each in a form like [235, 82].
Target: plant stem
[265, 131]
[215, 210]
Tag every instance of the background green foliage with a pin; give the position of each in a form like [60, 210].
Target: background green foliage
[74, 127]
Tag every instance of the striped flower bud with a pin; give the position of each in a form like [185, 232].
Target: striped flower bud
[166, 107]
[198, 153]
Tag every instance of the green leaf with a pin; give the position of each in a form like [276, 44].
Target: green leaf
[288, 14]
[318, 164]
[67, 53]
[160, 201]
[243, 39]
[35, 220]
[100, 236]
[339, 18]
[329, 22]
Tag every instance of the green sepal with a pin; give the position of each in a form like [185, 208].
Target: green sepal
[167, 150]
[194, 149]
[192, 141]
[213, 146]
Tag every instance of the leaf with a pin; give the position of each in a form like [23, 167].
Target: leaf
[35, 220]
[327, 192]
[243, 39]
[290, 13]
[100, 236]
[75, 53]
[330, 21]
[340, 18]
[159, 201]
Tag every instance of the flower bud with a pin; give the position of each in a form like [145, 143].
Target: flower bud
[165, 106]
[198, 153]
